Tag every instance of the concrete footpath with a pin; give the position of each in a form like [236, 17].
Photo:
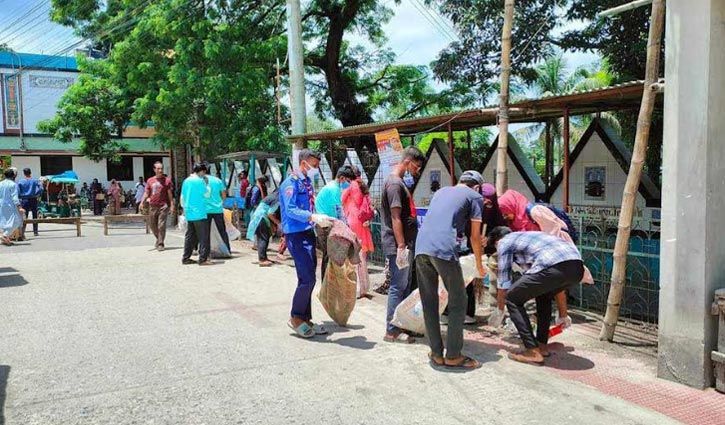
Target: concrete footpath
[103, 330]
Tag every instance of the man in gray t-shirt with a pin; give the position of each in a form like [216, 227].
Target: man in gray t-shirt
[450, 210]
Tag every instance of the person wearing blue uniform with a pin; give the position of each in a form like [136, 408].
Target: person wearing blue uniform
[29, 189]
[297, 200]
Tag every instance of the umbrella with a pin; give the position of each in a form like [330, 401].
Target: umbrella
[69, 176]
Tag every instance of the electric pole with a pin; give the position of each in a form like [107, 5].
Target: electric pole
[296, 74]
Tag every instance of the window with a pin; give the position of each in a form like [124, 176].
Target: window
[121, 171]
[148, 166]
[52, 165]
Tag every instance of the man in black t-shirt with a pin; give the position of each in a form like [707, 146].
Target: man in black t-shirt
[399, 230]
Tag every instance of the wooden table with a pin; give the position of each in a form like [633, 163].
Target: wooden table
[124, 218]
[57, 220]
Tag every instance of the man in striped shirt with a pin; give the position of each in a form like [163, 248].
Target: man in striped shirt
[551, 264]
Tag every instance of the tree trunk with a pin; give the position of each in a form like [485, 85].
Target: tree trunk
[503, 115]
[639, 154]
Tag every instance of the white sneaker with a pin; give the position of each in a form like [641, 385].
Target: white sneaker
[444, 319]
[470, 320]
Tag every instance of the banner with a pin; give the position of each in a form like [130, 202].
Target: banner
[390, 150]
[12, 102]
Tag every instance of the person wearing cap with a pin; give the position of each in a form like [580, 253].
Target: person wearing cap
[451, 210]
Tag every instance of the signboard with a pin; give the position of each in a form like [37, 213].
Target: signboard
[390, 150]
[12, 102]
[45, 82]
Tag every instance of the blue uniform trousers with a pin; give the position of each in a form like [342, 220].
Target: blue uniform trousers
[302, 248]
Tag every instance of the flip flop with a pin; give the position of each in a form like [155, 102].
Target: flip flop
[436, 361]
[399, 338]
[463, 362]
[319, 329]
[303, 330]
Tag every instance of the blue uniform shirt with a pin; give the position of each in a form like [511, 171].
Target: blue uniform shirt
[294, 203]
[29, 188]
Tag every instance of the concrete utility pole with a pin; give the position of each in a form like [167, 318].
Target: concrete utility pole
[692, 262]
[503, 114]
[296, 73]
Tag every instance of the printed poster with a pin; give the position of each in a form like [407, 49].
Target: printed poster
[12, 102]
[390, 149]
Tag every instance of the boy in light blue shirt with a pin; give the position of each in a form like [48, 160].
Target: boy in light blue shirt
[215, 207]
[194, 196]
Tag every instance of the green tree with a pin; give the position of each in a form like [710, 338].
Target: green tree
[553, 77]
[199, 70]
[480, 144]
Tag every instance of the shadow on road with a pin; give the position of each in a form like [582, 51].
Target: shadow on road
[4, 373]
[9, 278]
[563, 358]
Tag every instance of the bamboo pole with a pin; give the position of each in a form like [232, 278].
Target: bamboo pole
[644, 122]
[451, 157]
[503, 114]
[565, 160]
[623, 8]
[470, 153]
[549, 156]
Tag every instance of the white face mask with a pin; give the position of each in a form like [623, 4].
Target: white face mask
[311, 171]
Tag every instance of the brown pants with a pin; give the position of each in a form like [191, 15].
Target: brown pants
[157, 222]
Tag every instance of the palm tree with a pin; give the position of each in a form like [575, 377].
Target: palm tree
[553, 79]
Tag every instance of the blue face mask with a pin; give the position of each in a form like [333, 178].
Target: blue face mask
[408, 179]
[344, 185]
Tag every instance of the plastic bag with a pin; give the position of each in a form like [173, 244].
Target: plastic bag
[181, 226]
[470, 271]
[338, 291]
[409, 314]
[232, 231]
[218, 249]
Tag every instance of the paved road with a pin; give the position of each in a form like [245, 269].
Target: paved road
[103, 331]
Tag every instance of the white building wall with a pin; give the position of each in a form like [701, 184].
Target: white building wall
[422, 194]
[41, 91]
[88, 170]
[516, 180]
[595, 154]
[32, 162]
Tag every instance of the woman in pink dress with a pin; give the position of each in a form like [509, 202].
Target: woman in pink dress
[539, 218]
[357, 205]
[114, 192]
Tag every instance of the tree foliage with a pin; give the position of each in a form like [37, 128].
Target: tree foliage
[200, 71]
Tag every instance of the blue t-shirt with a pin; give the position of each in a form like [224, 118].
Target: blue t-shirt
[450, 210]
[329, 200]
[195, 193]
[214, 204]
[29, 188]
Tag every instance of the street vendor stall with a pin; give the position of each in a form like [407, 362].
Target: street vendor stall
[67, 203]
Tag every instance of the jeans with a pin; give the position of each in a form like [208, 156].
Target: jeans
[302, 248]
[218, 220]
[197, 233]
[542, 286]
[429, 269]
[399, 289]
[30, 205]
[157, 222]
[263, 234]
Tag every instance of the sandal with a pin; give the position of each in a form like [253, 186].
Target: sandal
[462, 362]
[303, 330]
[318, 329]
[435, 360]
[399, 337]
[523, 358]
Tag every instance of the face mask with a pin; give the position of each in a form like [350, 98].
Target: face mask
[344, 185]
[312, 172]
[408, 179]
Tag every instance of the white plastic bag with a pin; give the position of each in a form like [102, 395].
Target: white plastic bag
[232, 231]
[409, 314]
[181, 225]
[218, 249]
[468, 266]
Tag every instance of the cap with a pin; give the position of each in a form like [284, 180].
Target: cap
[471, 176]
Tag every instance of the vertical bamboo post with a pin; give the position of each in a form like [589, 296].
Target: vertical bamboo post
[644, 122]
[565, 159]
[548, 154]
[470, 153]
[451, 157]
[503, 114]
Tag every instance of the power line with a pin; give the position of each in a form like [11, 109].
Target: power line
[431, 20]
[30, 12]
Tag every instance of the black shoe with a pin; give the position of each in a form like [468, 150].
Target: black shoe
[188, 261]
[35, 234]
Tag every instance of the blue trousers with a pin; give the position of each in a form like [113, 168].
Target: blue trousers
[30, 205]
[399, 289]
[302, 248]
